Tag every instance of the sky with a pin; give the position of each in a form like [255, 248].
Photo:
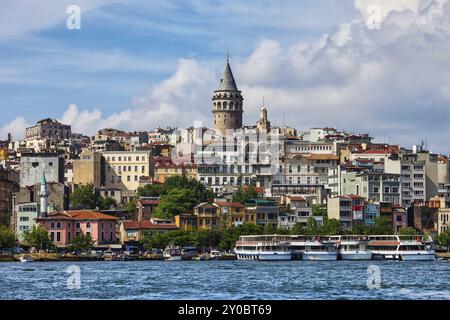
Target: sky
[371, 66]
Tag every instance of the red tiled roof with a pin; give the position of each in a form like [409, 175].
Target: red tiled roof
[127, 225]
[81, 215]
[230, 204]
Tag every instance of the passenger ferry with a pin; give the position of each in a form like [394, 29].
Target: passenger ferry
[264, 248]
[352, 247]
[314, 249]
[172, 253]
[405, 248]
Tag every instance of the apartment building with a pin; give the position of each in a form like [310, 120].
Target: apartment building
[124, 169]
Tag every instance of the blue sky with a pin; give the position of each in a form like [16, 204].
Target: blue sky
[125, 47]
[140, 64]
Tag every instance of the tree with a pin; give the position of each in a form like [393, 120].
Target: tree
[38, 238]
[444, 240]
[106, 203]
[243, 195]
[311, 226]
[82, 243]
[150, 190]
[7, 237]
[131, 208]
[331, 227]
[84, 198]
[381, 226]
[298, 229]
[409, 231]
[87, 198]
[178, 201]
[320, 210]
[269, 229]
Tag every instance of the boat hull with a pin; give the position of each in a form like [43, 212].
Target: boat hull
[356, 255]
[172, 258]
[274, 256]
[431, 256]
[319, 256]
[264, 256]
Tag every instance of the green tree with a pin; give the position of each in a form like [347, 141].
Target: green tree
[106, 203]
[243, 195]
[320, 210]
[84, 198]
[444, 240]
[298, 229]
[382, 226]
[7, 237]
[131, 208]
[150, 190]
[176, 202]
[330, 227]
[311, 226]
[269, 229]
[82, 243]
[409, 231]
[38, 238]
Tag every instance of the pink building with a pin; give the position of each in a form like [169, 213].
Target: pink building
[64, 226]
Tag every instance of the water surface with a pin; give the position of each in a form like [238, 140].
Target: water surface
[154, 280]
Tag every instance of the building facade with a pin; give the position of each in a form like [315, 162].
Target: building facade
[48, 129]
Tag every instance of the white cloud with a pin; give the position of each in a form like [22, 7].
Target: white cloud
[178, 100]
[391, 82]
[16, 128]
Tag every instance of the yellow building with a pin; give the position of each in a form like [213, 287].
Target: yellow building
[232, 213]
[186, 222]
[124, 169]
[88, 169]
[220, 215]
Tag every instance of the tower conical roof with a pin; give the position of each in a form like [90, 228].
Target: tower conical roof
[43, 180]
[227, 83]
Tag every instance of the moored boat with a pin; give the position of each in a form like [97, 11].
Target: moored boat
[405, 248]
[172, 253]
[352, 247]
[263, 248]
[26, 259]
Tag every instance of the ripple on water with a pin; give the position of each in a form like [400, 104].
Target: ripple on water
[226, 280]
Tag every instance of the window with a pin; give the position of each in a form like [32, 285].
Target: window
[58, 225]
[52, 225]
[88, 225]
[77, 225]
[58, 236]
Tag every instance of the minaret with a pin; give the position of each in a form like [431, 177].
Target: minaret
[44, 198]
[263, 123]
[227, 103]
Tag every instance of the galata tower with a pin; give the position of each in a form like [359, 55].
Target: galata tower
[227, 103]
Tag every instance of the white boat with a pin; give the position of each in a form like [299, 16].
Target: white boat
[26, 259]
[263, 248]
[172, 253]
[352, 247]
[405, 248]
[214, 255]
[319, 251]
